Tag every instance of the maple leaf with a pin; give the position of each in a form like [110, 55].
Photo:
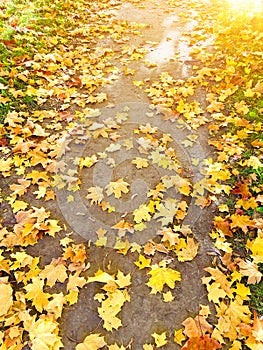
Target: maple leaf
[160, 339]
[142, 213]
[123, 226]
[166, 211]
[21, 188]
[169, 236]
[35, 293]
[148, 347]
[55, 271]
[88, 161]
[219, 277]
[179, 337]
[215, 292]
[161, 276]
[55, 305]
[112, 305]
[243, 189]
[43, 333]
[6, 293]
[256, 247]
[95, 195]
[92, 342]
[241, 221]
[168, 297]
[203, 342]
[189, 252]
[143, 262]
[195, 327]
[250, 269]
[122, 280]
[101, 276]
[234, 313]
[117, 187]
[19, 205]
[140, 163]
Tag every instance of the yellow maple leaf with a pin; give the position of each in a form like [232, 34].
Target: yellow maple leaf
[55, 271]
[189, 252]
[142, 214]
[35, 293]
[19, 205]
[167, 211]
[143, 262]
[148, 347]
[112, 305]
[88, 161]
[122, 280]
[215, 292]
[161, 276]
[43, 333]
[241, 221]
[250, 269]
[256, 247]
[6, 292]
[160, 339]
[92, 342]
[117, 187]
[241, 107]
[55, 305]
[242, 290]
[140, 162]
[101, 276]
[179, 337]
[168, 297]
[72, 297]
[95, 195]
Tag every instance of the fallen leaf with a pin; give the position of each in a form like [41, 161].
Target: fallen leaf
[92, 342]
[117, 188]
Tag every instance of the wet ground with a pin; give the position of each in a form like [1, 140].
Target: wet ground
[168, 51]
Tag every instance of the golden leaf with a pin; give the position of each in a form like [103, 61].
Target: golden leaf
[160, 339]
[179, 337]
[35, 292]
[189, 252]
[6, 292]
[117, 188]
[142, 214]
[143, 262]
[140, 163]
[161, 276]
[55, 271]
[43, 334]
[92, 342]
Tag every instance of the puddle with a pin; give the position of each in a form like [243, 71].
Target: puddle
[165, 50]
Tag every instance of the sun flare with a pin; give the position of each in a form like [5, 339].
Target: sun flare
[247, 6]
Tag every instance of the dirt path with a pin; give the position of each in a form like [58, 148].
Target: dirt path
[145, 314]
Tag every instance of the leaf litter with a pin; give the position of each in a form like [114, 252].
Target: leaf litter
[47, 92]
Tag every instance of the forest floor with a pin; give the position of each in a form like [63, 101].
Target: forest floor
[131, 175]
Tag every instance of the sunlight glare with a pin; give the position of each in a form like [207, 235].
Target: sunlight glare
[246, 6]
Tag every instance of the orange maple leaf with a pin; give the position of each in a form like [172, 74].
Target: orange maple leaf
[202, 343]
[243, 189]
